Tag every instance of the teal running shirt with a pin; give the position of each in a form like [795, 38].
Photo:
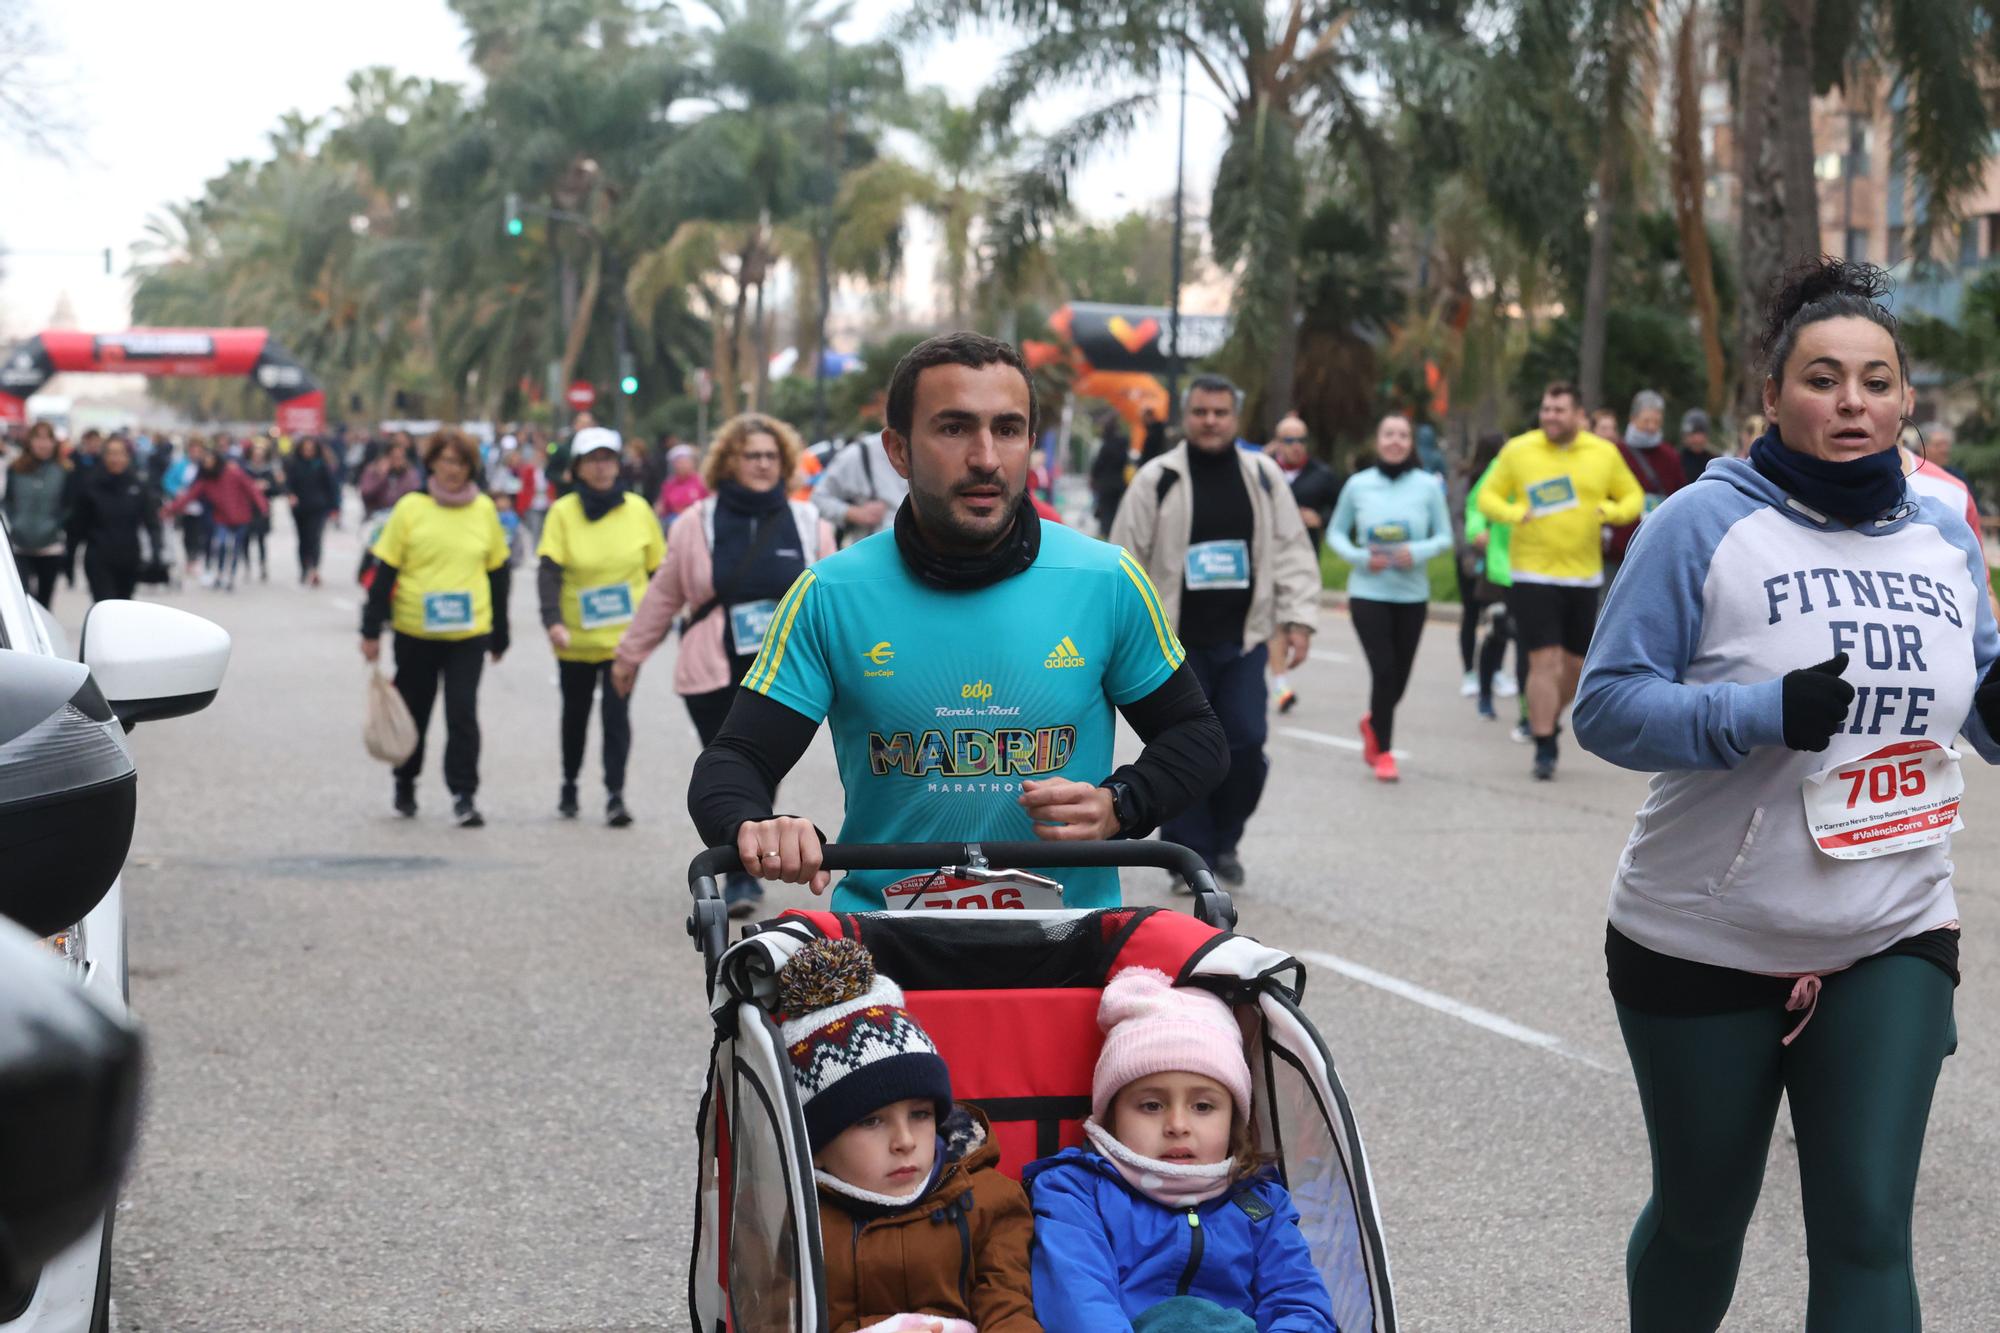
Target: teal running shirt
[942, 703]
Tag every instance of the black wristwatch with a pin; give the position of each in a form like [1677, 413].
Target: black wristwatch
[1124, 805]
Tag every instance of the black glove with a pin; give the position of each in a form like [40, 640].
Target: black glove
[1986, 700]
[1815, 705]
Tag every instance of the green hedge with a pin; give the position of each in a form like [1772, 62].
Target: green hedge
[1443, 570]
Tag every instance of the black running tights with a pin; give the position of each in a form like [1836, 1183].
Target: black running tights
[1389, 632]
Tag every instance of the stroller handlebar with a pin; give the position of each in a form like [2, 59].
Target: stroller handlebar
[709, 922]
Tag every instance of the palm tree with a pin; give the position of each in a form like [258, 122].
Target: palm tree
[1627, 45]
[1933, 58]
[1284, 74]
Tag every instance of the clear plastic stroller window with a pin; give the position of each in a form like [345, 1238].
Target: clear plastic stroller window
[763, 1243]
[1304, 1132]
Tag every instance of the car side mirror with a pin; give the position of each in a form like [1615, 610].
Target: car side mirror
[152, 661]
[68, 792]
[69, 1107]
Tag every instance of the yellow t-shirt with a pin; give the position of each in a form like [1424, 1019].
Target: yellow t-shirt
[1560, 498]
[442, 556]
[605, 568]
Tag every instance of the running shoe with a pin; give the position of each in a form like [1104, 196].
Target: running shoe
[1385, 769]
[466, 813]
[1505, 686]
[1371, 749]
[1287, 700]
[1545, 768]
[1486, 709]
[615, 813]
[1469, 687]
[1520, 735]
[406, 800]
[566, 803]
[1228, 869]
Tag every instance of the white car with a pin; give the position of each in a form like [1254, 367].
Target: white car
[67, 788]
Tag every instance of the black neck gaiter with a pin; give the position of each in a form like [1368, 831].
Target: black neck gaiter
[963, 573]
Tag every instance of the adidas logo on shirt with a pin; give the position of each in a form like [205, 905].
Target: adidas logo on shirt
[1064, 654]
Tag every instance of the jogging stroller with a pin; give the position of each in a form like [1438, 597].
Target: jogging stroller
[1010, 999]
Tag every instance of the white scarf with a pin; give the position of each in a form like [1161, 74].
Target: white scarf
[890, 1201]
[1175, 1185]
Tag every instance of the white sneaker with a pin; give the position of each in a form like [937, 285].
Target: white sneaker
[1505, 687]
[1469, 687]
[1520, 734]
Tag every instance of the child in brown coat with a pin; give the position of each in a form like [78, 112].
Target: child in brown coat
[919, 1230]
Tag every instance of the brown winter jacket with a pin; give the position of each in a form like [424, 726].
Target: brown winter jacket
[961, 1251]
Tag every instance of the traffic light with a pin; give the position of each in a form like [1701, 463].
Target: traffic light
[513, 213]
[628, 374]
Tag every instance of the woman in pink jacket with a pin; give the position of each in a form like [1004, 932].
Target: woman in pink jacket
[726, 567]
[234, 501]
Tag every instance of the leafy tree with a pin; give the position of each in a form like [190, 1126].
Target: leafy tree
[1288, 76]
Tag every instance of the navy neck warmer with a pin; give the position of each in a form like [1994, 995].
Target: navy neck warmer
[1855, 490]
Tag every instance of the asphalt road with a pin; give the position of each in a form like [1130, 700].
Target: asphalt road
[406, 1076]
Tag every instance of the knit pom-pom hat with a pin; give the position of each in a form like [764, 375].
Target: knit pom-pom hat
[1152, 1026]
[854, 1048]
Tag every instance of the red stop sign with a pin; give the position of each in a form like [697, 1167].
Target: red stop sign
[580, 395]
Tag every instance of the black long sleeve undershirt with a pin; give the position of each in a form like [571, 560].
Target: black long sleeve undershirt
[737, 775]
[548, 587]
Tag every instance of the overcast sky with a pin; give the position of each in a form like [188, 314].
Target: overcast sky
[169, 94]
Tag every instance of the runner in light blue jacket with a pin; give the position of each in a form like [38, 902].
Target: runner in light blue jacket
[1389, 523]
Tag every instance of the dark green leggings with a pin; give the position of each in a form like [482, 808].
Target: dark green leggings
[1859, 1079]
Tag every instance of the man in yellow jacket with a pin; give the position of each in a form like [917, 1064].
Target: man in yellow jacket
[1559, 486]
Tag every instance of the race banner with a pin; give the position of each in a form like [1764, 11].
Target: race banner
[300, 403]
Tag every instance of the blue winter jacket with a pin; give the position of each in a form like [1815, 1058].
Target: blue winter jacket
[1103, 1254]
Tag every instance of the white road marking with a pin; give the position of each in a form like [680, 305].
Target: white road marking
[1444, 1004]
[1338, 742]
[342, 603]
[1328, 655]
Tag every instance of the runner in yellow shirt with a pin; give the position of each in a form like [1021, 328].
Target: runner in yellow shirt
[440, 581]
[600, 544]
[1559, 486]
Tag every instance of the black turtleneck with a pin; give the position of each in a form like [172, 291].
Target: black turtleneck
[1222, 513]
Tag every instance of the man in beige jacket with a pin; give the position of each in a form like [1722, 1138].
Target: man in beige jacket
[1220, 536]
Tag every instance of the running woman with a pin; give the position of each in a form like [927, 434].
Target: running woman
[744, 546]
[967, 659]
[1560, 486]
[1390, 521]
[1794, 644]
[600, 545]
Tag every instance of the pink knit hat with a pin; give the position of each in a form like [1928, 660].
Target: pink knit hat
[1153, 1027]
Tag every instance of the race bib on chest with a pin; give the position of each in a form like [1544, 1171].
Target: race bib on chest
[447, 612]
[971, 888]
[1218, 566]
[599, 608]
[749, 622]
[1897, 799]
[1551, 497]
[1389, 534]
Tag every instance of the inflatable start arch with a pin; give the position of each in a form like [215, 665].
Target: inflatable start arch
[301, 405]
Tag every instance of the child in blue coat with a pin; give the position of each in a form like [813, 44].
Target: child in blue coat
[1169, 1219]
